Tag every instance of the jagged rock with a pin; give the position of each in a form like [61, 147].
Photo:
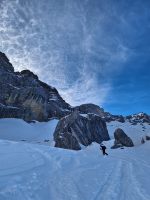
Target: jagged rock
[122, 139]
[76, 129]
[5, 64]
[23, 95]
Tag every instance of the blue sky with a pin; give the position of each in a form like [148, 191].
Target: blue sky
[92, 51]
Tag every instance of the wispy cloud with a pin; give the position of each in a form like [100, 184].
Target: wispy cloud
[67, 43]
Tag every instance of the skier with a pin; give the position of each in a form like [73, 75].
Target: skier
[103, 148]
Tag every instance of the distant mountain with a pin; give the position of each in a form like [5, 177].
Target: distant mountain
[133, 119]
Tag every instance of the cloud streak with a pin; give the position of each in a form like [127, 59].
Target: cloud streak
[67, 43]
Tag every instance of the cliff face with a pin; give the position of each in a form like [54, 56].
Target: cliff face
[23, 95]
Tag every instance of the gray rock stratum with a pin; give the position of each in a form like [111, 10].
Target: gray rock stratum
[76, 129]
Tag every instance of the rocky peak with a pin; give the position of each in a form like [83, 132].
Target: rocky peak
[28, 73]
[5, 65]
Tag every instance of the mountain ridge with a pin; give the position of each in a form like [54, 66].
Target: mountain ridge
[15, 81]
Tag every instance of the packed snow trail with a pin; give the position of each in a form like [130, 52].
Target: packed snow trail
[37, 172]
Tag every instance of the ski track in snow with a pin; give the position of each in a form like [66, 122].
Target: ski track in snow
[116, 184]
[109, 184]
[59, 174]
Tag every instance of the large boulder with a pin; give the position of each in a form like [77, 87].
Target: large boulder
[78, 129]
[121, 139]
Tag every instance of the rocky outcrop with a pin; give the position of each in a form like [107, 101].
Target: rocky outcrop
[23, 95]
[76, 129]
[90, 108]
[121, 139]
[5, 65]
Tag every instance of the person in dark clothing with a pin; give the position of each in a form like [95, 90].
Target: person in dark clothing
[103, 148]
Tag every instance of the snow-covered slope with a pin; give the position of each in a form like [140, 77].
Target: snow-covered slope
[17, 130]
[37, 172]
[135, 132]
[30, 171]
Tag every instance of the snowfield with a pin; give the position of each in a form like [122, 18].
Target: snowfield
[30, 171]
[37, 172]
[19, 130]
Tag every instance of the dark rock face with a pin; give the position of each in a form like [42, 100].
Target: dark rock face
[5, 65]
[76, 129]
[121, 139]
[23, 95]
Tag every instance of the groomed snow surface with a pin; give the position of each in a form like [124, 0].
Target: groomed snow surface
[38, 172]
